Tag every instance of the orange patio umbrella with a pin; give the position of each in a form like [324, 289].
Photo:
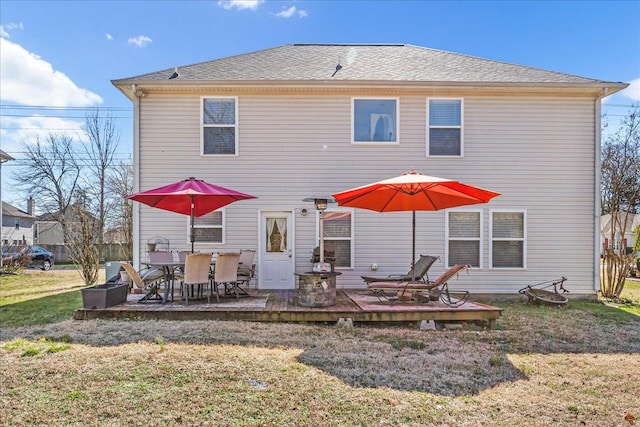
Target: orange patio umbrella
[191, 196]
[413, 191]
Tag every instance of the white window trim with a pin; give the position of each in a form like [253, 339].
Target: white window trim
[524, 239]
[447, 238]
[461, 127]
[223, 226]
[351, 237]
[383, 143]
[203, 125]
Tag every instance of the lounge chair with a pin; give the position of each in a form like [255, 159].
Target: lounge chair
[422, 291]
[148, 280]
[421, 267]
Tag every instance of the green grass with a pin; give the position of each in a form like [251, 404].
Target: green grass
[34, 297]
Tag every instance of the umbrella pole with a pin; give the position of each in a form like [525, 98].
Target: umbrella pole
[413, 250]
[193, 237]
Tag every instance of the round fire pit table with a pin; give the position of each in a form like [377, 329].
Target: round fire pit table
[316, 289]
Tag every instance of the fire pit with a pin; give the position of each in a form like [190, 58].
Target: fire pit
[316, 289]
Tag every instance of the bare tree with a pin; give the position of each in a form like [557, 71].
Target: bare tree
[620, 197]
[71, 186]
[51, 174]
[103, 142]
[120, 185]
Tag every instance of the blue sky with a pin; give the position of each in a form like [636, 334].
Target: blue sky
[64, 54]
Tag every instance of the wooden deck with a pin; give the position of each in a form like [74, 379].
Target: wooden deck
[282, 306]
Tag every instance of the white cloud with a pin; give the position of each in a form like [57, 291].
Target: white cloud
[109, 36]
[18, 130]
[632, 91]
[27, 79]
[292, 11]
[287, 13]
[240, 4]
[4, 30]
[139, 41]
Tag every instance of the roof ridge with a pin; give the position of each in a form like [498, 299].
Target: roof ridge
[350, 44]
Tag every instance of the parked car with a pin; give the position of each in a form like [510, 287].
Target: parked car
[28, 256]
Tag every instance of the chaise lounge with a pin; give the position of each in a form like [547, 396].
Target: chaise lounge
[422, 291]
[421, 267]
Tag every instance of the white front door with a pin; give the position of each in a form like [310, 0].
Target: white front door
[276, 260]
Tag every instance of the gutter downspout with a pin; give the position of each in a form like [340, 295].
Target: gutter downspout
[136, 176]
[597, 189]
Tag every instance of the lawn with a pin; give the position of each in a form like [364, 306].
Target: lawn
[541, 366]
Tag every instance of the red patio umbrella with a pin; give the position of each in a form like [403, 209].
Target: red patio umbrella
[191, 196]
[413, 191]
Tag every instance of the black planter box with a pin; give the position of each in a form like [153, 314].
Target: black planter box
[103, 296]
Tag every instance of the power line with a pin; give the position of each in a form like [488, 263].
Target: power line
[53, 107]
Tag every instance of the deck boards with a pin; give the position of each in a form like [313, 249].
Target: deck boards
[282, 306]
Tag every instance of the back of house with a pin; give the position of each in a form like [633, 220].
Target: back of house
[305, 121]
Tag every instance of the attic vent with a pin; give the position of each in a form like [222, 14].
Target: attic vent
[175, 74]
[338, 68]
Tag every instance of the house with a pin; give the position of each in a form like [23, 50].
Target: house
[17, 225]
[48, 226]
[627, 238]
[304, 120]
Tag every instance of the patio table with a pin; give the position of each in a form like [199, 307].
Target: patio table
[169, 268]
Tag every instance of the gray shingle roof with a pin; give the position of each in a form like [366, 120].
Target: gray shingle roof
[10, 210]
[388, 62]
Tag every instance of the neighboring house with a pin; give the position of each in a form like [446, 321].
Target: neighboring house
[17, 225]
[116, 235]
[299, 121]
[48, 229]
[626, 238]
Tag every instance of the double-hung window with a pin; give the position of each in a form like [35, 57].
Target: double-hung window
[464, 237]
[444, 133]
[208, 228]
[220, 126]
[338, 236]
[374, 120]
[508, 231]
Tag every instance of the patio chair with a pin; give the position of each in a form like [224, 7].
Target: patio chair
[421, 267]
[226, 274]
[196, 273]
[421, 291]
[148, 280]
[246, 267]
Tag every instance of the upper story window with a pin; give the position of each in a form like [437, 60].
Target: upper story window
[508, 231]
[374, 120]
[464, 236]
[220, 126]
[444, 136]
[209, 228]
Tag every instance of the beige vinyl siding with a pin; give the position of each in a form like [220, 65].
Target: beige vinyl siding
[537, 152]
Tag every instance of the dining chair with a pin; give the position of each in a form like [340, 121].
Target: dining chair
[160, 257]
[196, 273]
[226, 273]
[246, 268]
